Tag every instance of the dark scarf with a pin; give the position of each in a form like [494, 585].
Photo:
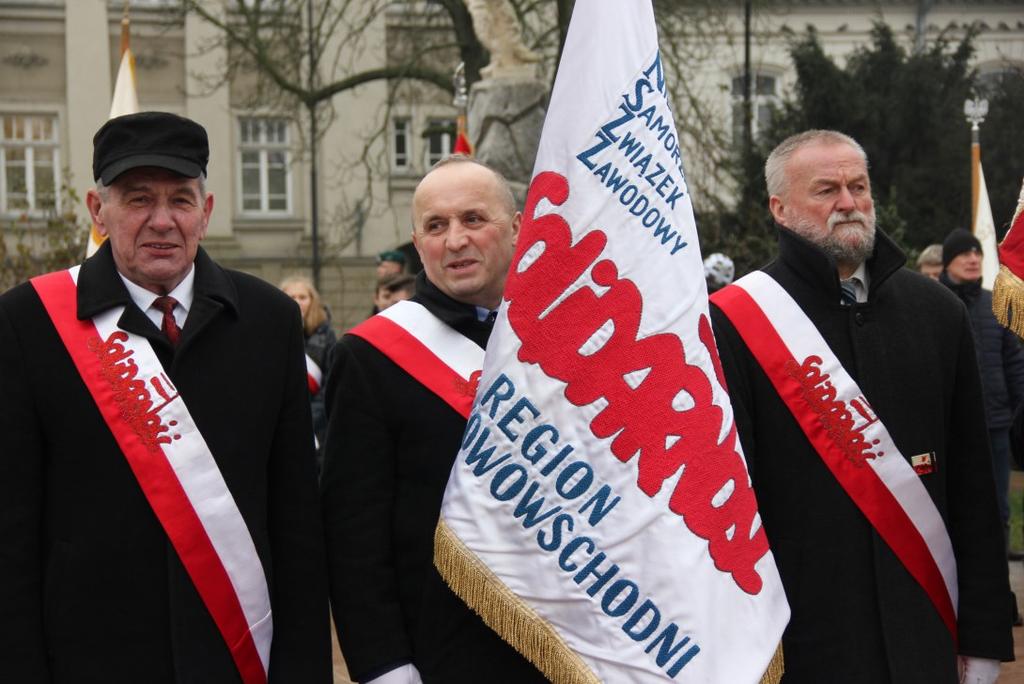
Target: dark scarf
[967, 291]
[460, 316]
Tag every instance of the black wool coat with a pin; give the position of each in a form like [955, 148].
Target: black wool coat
[857, 614]
[319, 347]
[391, 444]
[91, 590]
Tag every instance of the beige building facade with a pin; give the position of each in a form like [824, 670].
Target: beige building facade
[59, 58]
[842, 26]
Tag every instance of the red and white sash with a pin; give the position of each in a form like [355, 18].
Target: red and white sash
[314, 376]
[842, 427]
[174, 468]
[441, 359]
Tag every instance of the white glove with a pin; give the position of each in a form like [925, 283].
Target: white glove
[978, 670]
[408, 674]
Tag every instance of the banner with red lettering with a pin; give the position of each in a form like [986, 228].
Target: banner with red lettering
[599, 515]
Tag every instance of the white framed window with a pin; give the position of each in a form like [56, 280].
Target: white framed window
[400, 144]
[764, 97]
[440, 135]
[29, 163]
[264, 165]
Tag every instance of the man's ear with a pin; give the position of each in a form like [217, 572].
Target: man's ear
[517, 222]
[416, 242]
[207, 212]
[94, 202]
[778, 208]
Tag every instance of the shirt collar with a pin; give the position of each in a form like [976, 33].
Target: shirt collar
[183, 293]
[860, 280]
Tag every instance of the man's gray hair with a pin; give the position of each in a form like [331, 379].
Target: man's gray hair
[775, 166]
[103, 190]
[931, 256]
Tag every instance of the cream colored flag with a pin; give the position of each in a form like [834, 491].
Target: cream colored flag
[985, 231]
[125, 101]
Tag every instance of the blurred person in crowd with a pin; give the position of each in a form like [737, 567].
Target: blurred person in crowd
[999, 356]
[394, 288]
[320, 341]
[929, 261]
[390, 262]
[718, 271]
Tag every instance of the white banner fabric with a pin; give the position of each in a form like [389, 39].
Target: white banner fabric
[600, 479]
[985, 231]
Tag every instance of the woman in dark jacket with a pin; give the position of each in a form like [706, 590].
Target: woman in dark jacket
[320, 339]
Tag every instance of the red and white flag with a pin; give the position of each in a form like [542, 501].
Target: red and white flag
[462, 144]
[599, 515]
[1008, 293]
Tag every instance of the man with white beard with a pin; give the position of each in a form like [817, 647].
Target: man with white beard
[859, 408]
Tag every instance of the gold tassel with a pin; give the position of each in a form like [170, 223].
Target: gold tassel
[775, 668]
[518, 623]
[505, 613]
[1008, 300]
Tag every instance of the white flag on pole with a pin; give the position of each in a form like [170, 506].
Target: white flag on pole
[599, 515]
[985, 231]
[124, 101]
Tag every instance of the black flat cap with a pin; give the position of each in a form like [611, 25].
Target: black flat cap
[158, 139]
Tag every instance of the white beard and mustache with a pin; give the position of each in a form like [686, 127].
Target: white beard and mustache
[850, 244]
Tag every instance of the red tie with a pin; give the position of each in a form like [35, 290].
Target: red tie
[169, 325]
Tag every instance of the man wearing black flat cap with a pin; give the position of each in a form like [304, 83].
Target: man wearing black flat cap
[158, 503]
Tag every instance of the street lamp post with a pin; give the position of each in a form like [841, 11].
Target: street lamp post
[314, 208]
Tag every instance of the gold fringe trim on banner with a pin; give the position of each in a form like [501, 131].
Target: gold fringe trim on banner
[518, 623]
[505, 613]
[1008, 300]
[775, 668]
